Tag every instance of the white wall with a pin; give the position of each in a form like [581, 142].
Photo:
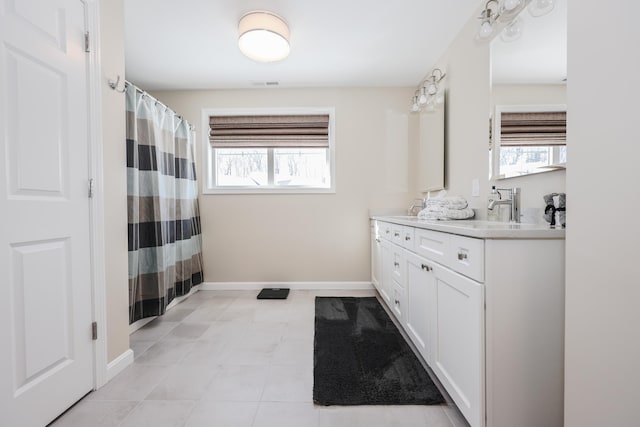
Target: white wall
[312, 237]
[115, 178]
[602, 347]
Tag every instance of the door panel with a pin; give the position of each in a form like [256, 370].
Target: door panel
[46, 360]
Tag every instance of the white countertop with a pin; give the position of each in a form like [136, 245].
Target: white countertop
[479, 228]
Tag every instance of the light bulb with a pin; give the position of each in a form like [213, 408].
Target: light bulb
[541, 7]
[486, 29]
[432, 87]
[423, 96]
[512, 32]
[512, 4]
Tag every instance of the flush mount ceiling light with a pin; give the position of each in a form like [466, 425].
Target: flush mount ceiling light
[264, 36]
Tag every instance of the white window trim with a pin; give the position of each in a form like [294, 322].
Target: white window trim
[207, 151]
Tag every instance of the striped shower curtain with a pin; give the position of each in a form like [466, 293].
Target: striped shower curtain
[165, 247]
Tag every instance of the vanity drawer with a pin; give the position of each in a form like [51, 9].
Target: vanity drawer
[397, 234]
[384, 230]
[466, 256]
[432, 245]
[408, 236]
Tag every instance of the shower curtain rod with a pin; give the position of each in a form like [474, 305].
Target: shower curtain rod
[145, 93]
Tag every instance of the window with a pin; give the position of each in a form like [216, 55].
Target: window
[269, 151]
[530, 139]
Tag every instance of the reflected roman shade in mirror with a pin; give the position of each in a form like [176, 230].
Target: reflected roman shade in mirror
[269, 131]
[518, 129]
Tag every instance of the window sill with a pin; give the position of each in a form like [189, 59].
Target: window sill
[265, 190]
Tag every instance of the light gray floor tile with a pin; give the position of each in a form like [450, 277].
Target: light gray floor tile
[134, 383]
[292, 351]
[373, 416]
[95, 413]
[289, 384]
[159, 414]
[139, 347]
[153, 331]
[223, 414]
[176, 314]
[286, 414]
[164, 353]
[237, 384]
[187, 331]
[207, 354]
[183, 383]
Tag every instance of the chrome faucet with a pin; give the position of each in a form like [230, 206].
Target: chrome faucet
[513, 201]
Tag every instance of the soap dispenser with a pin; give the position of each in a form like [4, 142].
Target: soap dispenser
[494, 214]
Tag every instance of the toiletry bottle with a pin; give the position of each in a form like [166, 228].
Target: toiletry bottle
[493, 214]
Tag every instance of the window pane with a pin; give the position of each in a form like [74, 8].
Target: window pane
[241, 167]
[522, 160]
[562, 157]
[301, 167]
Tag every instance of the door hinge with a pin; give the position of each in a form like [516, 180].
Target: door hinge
[94, 331]
[90, 192]
[87, 45]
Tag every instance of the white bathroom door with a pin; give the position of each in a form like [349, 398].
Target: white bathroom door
[46, 349]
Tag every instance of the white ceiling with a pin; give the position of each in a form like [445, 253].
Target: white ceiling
[192, 44]
[539, 56]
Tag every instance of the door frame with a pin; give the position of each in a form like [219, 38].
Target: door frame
[96, 203]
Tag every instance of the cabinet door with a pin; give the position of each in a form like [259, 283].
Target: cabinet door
[459, 355]
[376, 254]
[421, 304]
[386, 278]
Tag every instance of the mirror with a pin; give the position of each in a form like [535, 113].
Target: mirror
[528, 74]
[432, 149]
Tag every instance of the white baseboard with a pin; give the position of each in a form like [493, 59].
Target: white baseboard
[310, 286]
[119, 364]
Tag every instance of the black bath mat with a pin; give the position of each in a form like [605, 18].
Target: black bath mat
[360, 358]
[273, 293]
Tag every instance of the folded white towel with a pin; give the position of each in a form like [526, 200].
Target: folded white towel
[445, 213]
[452, 202]
[458, 213]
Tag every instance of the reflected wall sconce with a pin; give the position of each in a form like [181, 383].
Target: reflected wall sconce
[264, 36]
[430, 95]
[503, 15]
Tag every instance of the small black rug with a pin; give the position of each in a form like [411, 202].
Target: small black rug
[360, 358]
[273, 293]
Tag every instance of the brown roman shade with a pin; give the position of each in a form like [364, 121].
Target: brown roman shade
[269, 131]
[533, 128]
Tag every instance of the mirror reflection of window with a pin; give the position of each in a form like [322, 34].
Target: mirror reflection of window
[528, 70]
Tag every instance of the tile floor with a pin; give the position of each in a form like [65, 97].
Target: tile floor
[226, 359]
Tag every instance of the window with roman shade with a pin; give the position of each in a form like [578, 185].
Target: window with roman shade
[269, 131]
[270, 151]
[535, 128]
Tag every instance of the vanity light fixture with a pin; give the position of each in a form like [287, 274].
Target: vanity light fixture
[430, 95]
[264, 36]
[488, 18]
[503, 15]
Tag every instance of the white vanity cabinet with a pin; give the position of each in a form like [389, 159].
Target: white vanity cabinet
[484, 307]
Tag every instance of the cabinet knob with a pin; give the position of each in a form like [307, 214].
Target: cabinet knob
[396, 234]
[397, 302]
[378, 240]
[426, 267]
[407, 237]
[397, 264]
[461, 256]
